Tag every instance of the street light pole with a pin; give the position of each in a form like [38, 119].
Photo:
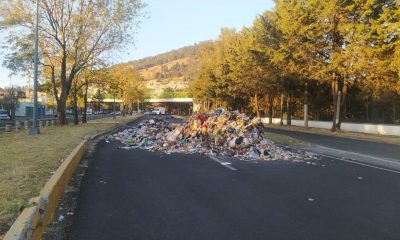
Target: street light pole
[34, 130]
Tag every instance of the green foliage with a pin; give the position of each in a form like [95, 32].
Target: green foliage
[72, 33]
[324, 47]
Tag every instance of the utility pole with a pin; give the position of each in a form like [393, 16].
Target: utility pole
[34, 130]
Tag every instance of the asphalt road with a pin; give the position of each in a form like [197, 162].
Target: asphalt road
[136, 194]
[346, 144]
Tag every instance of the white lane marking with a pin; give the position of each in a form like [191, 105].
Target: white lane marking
[225, 164]
[362, 164]
[383, 159]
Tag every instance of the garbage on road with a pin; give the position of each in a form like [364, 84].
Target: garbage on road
[220, 132]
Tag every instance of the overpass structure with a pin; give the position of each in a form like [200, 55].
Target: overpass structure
[151, 100]
[170, 100]
[179, 104]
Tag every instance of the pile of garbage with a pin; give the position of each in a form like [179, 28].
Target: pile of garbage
[220, 132]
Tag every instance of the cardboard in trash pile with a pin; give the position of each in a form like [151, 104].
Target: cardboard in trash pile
[219, 132]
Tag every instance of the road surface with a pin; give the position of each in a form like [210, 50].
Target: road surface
[137, 194]
[364, 152]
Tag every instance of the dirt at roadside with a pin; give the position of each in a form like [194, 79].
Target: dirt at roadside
[58, 229]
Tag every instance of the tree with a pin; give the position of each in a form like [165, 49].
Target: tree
[11, 99]
[328, 41]
[124, 82]
[71, 33]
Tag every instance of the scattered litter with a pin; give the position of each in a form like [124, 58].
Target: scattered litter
[70, 213]
[107, 141]
[360, 178]
[102, 182]
[311, 199]
[60, 218]
[217, 133]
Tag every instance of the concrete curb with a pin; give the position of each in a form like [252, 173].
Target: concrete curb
[32, 222]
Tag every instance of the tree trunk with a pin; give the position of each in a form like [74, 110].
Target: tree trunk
[61, 108]
[342, 104]
[75, 96]
[394, 112]
[305, 111]
[288, 110]
[62, 116]
[85, 103]
[114, 107]
[282, 98]
[270, 106]
[257, 108]
[335, 95]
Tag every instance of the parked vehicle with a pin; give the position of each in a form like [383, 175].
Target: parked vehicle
[158, 110]
[4, 115]
[89, 111]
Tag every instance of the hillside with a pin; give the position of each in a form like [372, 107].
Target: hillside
[169, 74]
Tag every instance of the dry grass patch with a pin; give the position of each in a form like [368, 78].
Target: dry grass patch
[27, 162]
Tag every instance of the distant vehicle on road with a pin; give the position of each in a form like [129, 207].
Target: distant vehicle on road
[89, 112]
[4, 115]
[99, 112]
[158, 110]
[116, 113]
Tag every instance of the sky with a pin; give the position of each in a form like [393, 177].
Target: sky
[177, 23]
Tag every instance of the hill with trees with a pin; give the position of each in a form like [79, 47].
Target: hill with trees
[169, 74]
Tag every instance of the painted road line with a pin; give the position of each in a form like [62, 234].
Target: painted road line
[362, 164]
[381, 159]
[225, 164]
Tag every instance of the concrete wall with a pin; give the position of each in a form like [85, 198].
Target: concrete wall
[381, 129]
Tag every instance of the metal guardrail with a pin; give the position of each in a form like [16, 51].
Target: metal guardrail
[26, 124]
[7, 126]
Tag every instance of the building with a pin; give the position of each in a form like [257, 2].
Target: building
[24, 107]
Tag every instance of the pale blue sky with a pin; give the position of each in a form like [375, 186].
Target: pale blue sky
[176, 23]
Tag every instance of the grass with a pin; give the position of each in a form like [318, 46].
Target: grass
[345, 134]
[285, 140]
[27, 162]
